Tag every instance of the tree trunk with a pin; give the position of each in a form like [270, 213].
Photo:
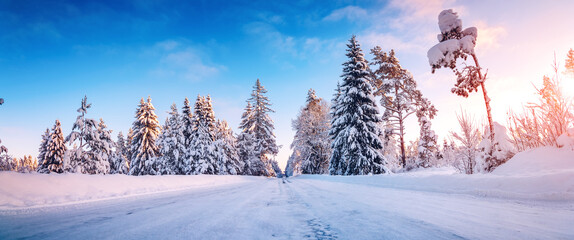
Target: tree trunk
[402, 139]
[486, 102]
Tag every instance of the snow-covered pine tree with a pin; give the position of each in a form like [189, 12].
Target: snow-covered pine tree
[83, 131]
[390, 147]
[171, 144]
[119, 161]
[186, 121]
[455, 43]
[399, 94]
[5, 159]
[290, 167]
[336, 165]
[100, 151]
[226, 150]
[427, 145]
[202, 147]
[246, 150]
[56, 149]
[43, 150]
[312, 136]
[143, 150]
[358, 138]
[256, 122]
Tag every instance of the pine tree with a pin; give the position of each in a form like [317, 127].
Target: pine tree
[100, 151]
[246, 150]
[226, 150]
[311, 139]
[203, 154]
[336, 165]
[145, 132]
[83, 132]
[357, 140]
[186, 122]
[390, 147]
[43, 150]
[256, 122]
[455, 43]
[427, 146]
[171, 144]
[118, 161]
[399, 94]
[6, 163]
[56, 149]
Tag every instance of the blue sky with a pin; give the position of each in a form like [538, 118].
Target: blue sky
[116, 52]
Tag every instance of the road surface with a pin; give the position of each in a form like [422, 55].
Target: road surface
[298, 208]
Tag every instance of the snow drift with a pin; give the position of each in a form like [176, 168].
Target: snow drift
[544, 174]
[19, 190]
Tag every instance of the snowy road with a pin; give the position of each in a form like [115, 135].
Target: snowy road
[313, 207]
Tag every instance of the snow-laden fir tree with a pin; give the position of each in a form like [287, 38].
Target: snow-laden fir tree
[43, 149]
[100, 151]
[186, 122]
[6, 163]
[225, 145]
[202, 147]
[336, 166]
[171, 143]
[119, 161]
[257, 123]
[290, 167]
[143, 150]
[252, 165]
[456, 43]
[356, 120]
[427, 146]
[399, 95]
[54, 158]
[391, 150]
[80, 139]
[312, 136]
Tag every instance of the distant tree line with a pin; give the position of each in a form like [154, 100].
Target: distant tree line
[190, 142]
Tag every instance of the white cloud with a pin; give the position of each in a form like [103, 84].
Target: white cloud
[351, 13]
[488, 36]
[180, 61]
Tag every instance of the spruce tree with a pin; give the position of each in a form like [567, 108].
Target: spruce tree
[225, 145]
[118, 161]
[142, 148]
[83, 132]
[203, 135]
[256, 122]
[43, 150]
[357, 140]
[336, 165]
[186, 122]
[171, 144]
[54, 158]
[100, 150]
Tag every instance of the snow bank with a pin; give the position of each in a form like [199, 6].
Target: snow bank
[38, 190]
[540, 174]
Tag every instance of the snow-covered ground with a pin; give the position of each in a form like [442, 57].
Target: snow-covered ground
[530, 197]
